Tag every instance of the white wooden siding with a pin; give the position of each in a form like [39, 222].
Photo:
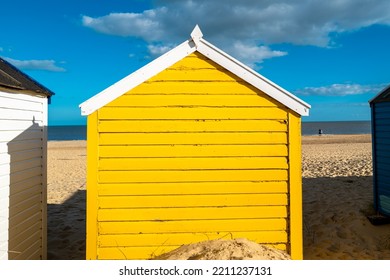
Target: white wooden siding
[22, 176]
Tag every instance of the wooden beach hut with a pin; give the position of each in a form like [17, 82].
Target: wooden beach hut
[380, 127]
[193, 146]
[23, 136]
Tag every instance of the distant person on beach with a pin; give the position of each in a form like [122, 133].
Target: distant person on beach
[320, 132]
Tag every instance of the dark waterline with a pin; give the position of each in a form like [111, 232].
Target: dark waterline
[79, 132]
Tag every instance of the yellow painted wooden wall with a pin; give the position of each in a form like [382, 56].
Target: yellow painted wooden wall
[192, 154]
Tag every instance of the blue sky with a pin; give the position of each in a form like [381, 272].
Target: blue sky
[332, 54]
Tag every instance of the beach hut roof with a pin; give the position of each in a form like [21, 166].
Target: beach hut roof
[13, 79]
[383, 95]
[196, 43]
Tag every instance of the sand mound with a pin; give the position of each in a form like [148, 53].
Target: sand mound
[234, 249]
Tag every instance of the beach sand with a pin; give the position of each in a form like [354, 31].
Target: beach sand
[337, 197]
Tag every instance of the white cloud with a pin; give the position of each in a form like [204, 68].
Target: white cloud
[251, 53]
[144, 25]
[340, 90]
[157, 50]
[253, 23]
[46, 65]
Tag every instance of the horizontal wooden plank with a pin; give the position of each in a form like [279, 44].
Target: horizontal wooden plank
[25, 105]
[193, 163]
[10, 114]
[192, 176]
[198, 87]
[194, 151]
[20, 156]
[165, 100]
[21, 125]
[380, 134]
[207, 74]
[196, 60]
[22, 185]
[192, 188]
[193, 126]
[193, 213]
[20, 166]
[175, 201]
[177, 239]
[191, 113]
[14, 167]
[15, 146]
[17, 177]
[6, 136]
[23, 96]
[198, 226]
[192, 138]
[145, 253]
[382, 107]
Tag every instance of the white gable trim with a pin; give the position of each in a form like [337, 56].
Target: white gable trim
[197, 43]
[253, 78]
[136, 78]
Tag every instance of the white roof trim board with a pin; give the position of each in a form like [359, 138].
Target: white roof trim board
[196, 43]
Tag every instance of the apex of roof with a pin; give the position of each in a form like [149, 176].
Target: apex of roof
[196, 43]
[383, 95]
[15, 80]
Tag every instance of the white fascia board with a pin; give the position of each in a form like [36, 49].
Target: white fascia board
[253, 78]
[137, 77]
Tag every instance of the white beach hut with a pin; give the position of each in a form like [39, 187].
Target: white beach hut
[23, 142]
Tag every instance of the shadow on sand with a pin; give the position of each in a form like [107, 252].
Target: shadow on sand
[66, 228]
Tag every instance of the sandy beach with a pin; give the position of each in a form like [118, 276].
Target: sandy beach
[337, 197]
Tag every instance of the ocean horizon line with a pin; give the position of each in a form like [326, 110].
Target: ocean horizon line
[79, 132]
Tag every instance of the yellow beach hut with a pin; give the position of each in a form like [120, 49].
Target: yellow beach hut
[191, 147]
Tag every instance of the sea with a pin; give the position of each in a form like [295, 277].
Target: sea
[79, 132]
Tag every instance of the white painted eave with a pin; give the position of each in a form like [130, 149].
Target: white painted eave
[196, 43]
[136, 78]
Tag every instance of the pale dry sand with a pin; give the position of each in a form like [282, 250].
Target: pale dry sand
[337, 196]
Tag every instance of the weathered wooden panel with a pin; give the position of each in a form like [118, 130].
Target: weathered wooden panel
[175, 74]
[192, 176]
[191, 100]
[193, 213]
[193, 163]
[193, 138]
[191, 113]
[178, 201]
[196, 88]
[240, 150]
[190, 226]
[193, 126]
[192, 188]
